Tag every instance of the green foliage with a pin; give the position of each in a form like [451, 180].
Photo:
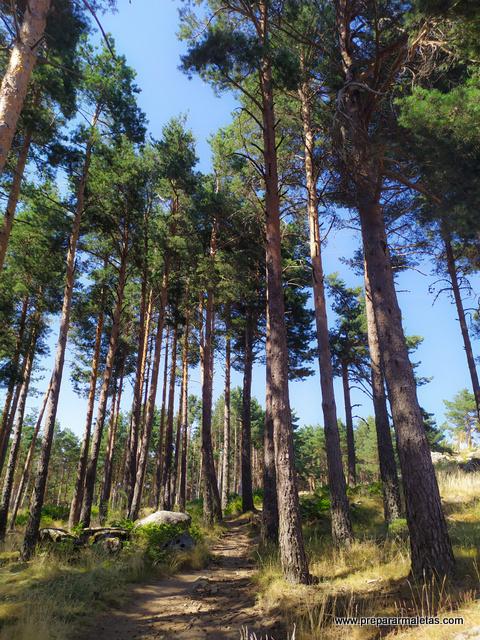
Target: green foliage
[54, 512]
[123, 523]
[375, 488]
[153, 537]
[21, 519]
[310, 454]
[314, 507]
[398, 529]
[462, 416]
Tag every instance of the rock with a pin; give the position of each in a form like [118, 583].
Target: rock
[56, 535]
[469, 634]
[439, 457]
[96, 534]
[200, 583]
[471, 465]
[453, 499]
[182, 542]
[112, 545]
[473, 454]
[165, 517]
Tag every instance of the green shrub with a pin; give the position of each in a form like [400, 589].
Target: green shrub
[21, 519]
[153, 537]
[55, 513]
[123, 523]
[314, 507]
[376, 488]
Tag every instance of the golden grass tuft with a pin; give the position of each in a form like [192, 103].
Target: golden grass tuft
[371, 577]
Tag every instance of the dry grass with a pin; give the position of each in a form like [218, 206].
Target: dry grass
[371, 578]
[51, 596]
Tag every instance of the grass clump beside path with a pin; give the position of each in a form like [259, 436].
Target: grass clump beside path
[61, 588]
[371, 578]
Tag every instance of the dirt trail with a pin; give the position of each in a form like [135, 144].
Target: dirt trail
[212, 604]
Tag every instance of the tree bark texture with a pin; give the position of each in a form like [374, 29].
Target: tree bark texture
[431, 550]
[351, 462]
[178, 444]
[112, 434]
[182, 491]
[342, 532]
[270, 517]
[247, 495]
[386, 455]
[159, 456]
[226, 424]
[294, 562]
[15, 82]
[168, 449]
[212, 508]
[132, 446]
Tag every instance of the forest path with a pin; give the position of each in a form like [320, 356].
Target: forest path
[212, 604]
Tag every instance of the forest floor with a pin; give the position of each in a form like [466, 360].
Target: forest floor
[217, 603]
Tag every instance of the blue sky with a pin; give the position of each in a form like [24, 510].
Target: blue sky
[144, 31]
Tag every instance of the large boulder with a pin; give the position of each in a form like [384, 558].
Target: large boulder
[183, 542]
[165, 517]
[472, 465]
[438, 457]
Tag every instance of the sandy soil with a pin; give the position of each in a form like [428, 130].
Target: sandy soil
[214, 604]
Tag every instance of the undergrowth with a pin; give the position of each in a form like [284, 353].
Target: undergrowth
[60, 589]
[370, 579]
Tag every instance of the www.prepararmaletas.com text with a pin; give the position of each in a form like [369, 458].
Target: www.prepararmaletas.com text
[398, 621]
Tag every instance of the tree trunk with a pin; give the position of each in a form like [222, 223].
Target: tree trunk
[17, 76]
[7, 418]
[452, 272]
[342, 533]
[112, 434]
[143, 339]
[90, 476]
[183, 465]
[77, 498]
[16, 186]
[352, 475]
[226, 422]
[168, 449]
[11, 420]
[270, 517]
[159, 456]
[178, 444]
[147, 429]
[431, 550]
[12, 460]
[212, 508]
[235, 456]
[388, 469]
[294, 561]
[26, 468]
[247, 496]
[36, 502]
